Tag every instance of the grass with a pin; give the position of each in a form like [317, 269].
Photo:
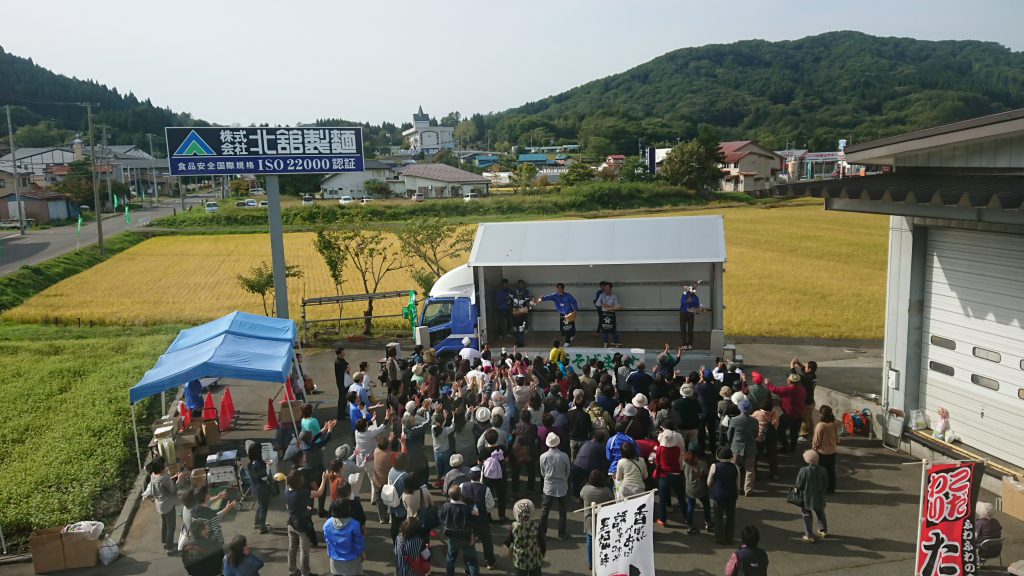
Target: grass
[66, 438]
[794, 270]
[28, 281]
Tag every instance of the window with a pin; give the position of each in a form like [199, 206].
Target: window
[985, 382]
[989, 355]
[3, 183]
[437, 314]
[940, 368]
[943, 342]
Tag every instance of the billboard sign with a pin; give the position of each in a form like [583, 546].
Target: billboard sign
[946, 540]
[221, 150]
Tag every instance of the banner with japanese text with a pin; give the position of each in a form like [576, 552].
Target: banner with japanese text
[624, 538]
[945, 543]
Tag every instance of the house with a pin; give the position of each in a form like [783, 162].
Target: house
[613, 162]
[748, 167]
[537, 160]
[43, 206]
[438, 181]
[954, 303]
[354, 183]
[423, 137]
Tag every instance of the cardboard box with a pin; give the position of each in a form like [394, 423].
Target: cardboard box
[79, 551]
[211, 430]
[47, 550]
[285, 415]
[1013, 497]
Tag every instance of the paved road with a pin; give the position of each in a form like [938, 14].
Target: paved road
[39, 245]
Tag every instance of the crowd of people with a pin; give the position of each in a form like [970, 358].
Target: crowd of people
[513, 440]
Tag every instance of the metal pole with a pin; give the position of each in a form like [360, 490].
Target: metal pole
[96, 189]
[110, 168]
[14, 164]
[135, 428]
[152, 172]
[181, 191]
[277, 246]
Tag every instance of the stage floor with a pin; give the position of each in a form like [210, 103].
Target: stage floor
[650, 341]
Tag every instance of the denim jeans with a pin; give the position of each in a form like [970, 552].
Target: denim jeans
[441, 462]
[468, 555]
[590, 551]
[666, 484]
[691, 505]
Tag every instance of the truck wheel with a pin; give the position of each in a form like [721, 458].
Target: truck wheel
[447, 361]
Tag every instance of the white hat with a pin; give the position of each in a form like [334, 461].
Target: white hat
[552, 440]
[455, 460]
[410, 407]
[483, 415]
[686, 391]
[640, 401]
[466, 341]
[497, 411]
[497, 395]
[629, 410]
[738, 397]
[358, 377]
[417, 369]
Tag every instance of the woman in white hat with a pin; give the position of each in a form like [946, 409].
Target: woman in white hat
[643, 414]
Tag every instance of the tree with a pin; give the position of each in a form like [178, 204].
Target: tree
[466, 132]
[634, 169]
[377, 188]
[434, 241]
[300, 184]
[328, 245]
[43, 134]
[78, 183]
[523, 176]
[260, 281]
[695, 164]
[373, 260]
[451, 119]
[578, 173]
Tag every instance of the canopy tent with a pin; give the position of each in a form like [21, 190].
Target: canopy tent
[239, 324]
[239, 345]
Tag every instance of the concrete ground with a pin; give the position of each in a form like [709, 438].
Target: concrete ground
[872, 518]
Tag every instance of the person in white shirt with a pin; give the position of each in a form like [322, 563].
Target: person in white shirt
[468, 352]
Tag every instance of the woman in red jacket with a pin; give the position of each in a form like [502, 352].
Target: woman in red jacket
[793, 396]
[667, 459]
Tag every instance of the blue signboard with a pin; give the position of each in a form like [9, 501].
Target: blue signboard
[220, 150]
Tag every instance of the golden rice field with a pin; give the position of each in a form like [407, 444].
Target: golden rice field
[793, 271]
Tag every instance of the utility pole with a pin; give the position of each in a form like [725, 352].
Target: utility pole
[14, 167]
[110, 169]
[152, 172]
[95, 186]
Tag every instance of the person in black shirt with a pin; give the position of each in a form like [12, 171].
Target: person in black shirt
[340, 371]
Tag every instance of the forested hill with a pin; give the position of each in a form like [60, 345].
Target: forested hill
[42, 105]
[806, 92]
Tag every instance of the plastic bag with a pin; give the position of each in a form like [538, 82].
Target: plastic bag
[108, 551]
[88, 528]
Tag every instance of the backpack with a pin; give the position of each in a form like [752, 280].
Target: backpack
[597, 420]
[390, 496]
[492, 465]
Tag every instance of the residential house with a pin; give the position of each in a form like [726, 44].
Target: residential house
[43, 206]
[613, 162]
[354, 183]
[423, 137]
[438, 181]
[748, 167]
[7, 176]
[537, 160]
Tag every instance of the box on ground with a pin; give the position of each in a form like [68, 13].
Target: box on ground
[79, 551]
[54, 550]
[1013, 497]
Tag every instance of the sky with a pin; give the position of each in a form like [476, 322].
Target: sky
[233, 61]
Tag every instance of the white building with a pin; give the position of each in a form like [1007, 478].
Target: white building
[438, 181]
[354, 183]
[423, 137]
[954, 326]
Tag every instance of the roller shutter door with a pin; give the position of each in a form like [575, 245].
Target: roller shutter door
[973, 345]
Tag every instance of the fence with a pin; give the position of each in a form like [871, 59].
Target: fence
[395, 305]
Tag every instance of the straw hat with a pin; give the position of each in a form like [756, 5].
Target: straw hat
[640, 401]
[482, 415]
[552, 440]
[343, 452]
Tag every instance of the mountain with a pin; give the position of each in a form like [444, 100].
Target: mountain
[43, 107]
[807, 93]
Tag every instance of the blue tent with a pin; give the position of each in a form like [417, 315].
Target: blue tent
[239, 324]
[226, 356]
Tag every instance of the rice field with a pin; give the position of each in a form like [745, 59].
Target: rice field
[793, 271]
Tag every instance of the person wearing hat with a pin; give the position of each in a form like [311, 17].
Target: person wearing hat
[724, 485]
[567, 307]
[689, 305]
[667, 460]
[417, 376]
[607, 305]
[554, 469]
[743, 442]
[727, 410]
[468, 352]
[457, 473]
[792, 397]
[812, 479]
[756, 392]
[526, 544]
[630, 426]
[478, 497]
[687, 411]
[643, 416]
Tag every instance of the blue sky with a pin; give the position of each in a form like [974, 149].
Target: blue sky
[265, 61]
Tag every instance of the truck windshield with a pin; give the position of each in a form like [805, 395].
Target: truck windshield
[437, 314]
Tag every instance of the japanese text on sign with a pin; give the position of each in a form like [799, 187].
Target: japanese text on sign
[946, 540]
[222, 150]
[624, 538]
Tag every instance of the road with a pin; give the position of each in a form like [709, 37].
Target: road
[39, 245]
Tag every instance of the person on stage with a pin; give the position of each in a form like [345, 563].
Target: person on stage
[689, 305]
[607, 306]
[567, 307]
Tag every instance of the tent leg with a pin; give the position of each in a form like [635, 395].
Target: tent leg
[135, 428]
[163, 403]
[302, 386]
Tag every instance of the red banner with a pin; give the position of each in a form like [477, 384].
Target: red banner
[946, 543]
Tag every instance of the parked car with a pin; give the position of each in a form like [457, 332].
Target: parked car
[240, 204]
[365, 200]
[264, 203]
[345, 200]
[307, 200]
[251, 204]
[417, 197]
[257, 192]
[211, 207]
[470, 197]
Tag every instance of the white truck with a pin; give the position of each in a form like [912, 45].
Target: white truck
[647, 260]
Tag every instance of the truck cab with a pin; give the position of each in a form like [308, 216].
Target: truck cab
[451, 312]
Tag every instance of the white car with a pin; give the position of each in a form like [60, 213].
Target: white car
[257, 192]
[365, 200]
[471, 197]
[417, 197]
[211, 207]
[251, 204]
[307, 200]
[345, 200]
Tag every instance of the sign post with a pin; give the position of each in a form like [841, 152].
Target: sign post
[223, 151]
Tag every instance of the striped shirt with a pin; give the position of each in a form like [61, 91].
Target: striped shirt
[411, 547]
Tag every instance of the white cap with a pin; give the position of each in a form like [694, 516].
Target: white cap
[629, 410]
[466, 341]
[552, 440]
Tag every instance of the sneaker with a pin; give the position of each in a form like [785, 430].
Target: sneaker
[692, 531]
[710, 527]
[808, 539]
[660, 523]
[802, 439]
[823, 533]
[492, 565]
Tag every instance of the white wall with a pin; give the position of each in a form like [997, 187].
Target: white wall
[351, 183]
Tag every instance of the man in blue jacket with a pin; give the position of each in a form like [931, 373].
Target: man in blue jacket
[567, 307]
[689, 304]
[503, 301]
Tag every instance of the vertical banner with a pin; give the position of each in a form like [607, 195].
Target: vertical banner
[624, 538]
[945, 542]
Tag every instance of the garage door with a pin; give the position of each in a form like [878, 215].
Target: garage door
[973, 360]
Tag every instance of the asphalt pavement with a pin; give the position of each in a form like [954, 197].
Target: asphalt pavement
[872, 518]
[39, 245]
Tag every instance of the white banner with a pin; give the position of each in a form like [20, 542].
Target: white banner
[624, 538]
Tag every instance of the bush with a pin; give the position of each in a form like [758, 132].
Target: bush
[589, 197]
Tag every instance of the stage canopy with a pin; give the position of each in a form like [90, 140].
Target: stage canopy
[238, 324]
